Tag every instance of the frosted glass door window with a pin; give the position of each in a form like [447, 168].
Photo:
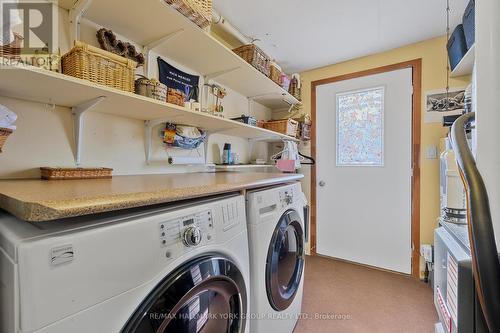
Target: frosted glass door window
[360, 127]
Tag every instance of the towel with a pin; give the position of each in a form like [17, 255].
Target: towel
[188, 132]
[7, 117]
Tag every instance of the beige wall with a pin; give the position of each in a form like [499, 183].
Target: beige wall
[433, 54]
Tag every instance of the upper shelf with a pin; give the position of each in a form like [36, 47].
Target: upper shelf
[39, 85]
[146, 22]
[466, 65]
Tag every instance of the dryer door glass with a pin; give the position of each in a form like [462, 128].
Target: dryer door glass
[285, 261]
[204, 296]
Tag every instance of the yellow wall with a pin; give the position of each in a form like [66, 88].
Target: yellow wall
[433, 54]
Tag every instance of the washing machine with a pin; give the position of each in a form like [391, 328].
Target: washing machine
[178, 268]
[276, 231]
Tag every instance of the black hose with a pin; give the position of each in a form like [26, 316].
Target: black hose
[486, 266]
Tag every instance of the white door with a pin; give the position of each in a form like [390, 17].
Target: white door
[364, 170]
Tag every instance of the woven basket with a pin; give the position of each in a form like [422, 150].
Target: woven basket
[285, 126]
[252, 54]
[12, 50]
[198, 11]
[4, 134]
[93, 64]
[275, 74]
[76, 173]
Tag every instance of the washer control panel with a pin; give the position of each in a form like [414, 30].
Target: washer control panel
[189, 231]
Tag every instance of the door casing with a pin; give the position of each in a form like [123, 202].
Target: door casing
[416, 66]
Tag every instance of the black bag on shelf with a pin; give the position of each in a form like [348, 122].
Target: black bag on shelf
[457, 47]
[177, 79]
[468, 21]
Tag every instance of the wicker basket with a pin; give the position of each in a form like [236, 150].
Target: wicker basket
[175, 96]
[151, 88]
[12, 50]
[76, 173]
[198, 11]
[285, 126]
[93, 64]
[252, 54]
[275, 74]
[4, 134]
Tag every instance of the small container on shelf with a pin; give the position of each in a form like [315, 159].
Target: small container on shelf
[99, 66]
[76, 173]
[284, 126]
[294, 88]
[304, 132]
[175, 96]
[253, 54]
[4, 134]
[285, 81]
[249, 120]
[151, 88]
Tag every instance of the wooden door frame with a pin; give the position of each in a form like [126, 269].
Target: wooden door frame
[416, 66]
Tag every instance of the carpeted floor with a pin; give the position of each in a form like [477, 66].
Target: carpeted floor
[350, 298]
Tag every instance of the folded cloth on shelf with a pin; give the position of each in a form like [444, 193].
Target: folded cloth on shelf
[7, 117]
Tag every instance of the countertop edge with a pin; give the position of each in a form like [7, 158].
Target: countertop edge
[44, 211]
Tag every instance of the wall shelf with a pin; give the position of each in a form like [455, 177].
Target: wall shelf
[466, 65]
[156, 25]
[42, 86]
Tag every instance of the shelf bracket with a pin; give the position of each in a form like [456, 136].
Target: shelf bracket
[75, 16]
[149, 124]
[78, 112]
[205, 144]
[213, 76]
[154, 44]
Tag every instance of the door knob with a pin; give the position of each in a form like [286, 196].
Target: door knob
[322, 183]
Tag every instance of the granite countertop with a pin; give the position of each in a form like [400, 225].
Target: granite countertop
[40, 200]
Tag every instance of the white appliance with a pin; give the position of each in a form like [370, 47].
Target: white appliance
[276, 231]
[180, 268]
[452, 191]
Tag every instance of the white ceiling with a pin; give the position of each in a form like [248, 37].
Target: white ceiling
[302, 34]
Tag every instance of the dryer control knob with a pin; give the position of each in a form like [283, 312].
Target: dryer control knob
[192, 236]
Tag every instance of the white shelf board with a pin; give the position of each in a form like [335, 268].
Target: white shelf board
[466, 65]
[42, 86]
[150, 20]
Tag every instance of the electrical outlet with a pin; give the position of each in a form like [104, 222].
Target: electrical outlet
[431, 152]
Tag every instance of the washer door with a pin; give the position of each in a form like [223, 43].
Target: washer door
[285, 261]
[206, 295]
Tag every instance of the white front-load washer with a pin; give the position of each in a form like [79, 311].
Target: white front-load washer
[276, 231]
[177, 268]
